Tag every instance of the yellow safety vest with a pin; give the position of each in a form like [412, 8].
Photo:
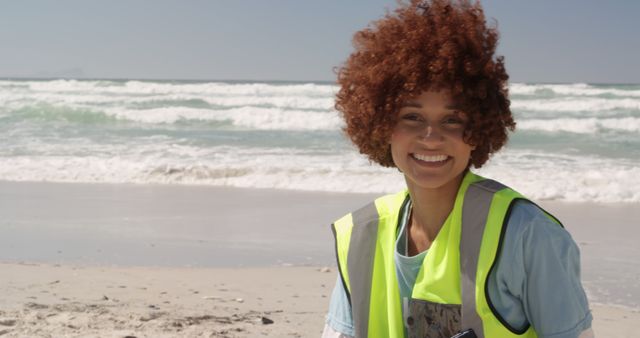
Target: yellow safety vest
[450, 293]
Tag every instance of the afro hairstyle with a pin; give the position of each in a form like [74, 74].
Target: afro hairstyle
[425, 45]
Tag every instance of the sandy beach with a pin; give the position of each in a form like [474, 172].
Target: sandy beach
[42, 300]
[65, 301]
[107, 260]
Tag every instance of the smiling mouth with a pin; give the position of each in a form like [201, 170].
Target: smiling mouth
[434, 159]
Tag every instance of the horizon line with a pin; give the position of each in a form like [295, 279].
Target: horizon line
[30, 78]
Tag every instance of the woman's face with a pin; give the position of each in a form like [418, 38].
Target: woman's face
[427, 143]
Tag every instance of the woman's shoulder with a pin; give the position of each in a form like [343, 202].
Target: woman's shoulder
[527, 219]
[539, 255]
[535, 235]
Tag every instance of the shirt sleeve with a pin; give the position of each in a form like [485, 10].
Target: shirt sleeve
[544, 273]
[339, 318]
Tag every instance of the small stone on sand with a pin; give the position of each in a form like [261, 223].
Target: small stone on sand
[7, 321]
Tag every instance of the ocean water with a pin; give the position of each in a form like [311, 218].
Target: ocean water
[574, 142]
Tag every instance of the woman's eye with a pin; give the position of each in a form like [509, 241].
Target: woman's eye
[453, 121]
[411, 117]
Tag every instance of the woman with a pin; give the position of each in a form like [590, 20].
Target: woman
[455, 253]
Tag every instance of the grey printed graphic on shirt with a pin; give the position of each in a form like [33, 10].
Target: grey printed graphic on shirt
[432, 320]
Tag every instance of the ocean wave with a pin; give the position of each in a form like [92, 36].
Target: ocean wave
[265, 118]
[46, 113]
[568, 105]
[220, 166]
[248, 117]
[548, 176]
[244, 117]
[89, 98]
[142, 132]
[153, 88]
[530, 89]
[581, 126]
[217, 88]
[566, 178]
[574, 89]
[83, 94]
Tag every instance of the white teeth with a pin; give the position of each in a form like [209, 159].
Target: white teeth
[436, 158]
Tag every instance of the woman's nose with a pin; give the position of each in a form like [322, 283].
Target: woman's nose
[431, 134]
[429, 130]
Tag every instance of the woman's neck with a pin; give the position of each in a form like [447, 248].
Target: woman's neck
[430, 209]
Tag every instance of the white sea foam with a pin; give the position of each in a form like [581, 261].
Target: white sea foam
[244, 117]
[284, 120]
[162, 115]
[253, 117]
[223, 166]
[576, 104]
[575, 89]
[289, 102]
[529, 89]
[567, 178]
[269, 89]
[206, 88]
[18, 100]
[581, 126]
[548, 176]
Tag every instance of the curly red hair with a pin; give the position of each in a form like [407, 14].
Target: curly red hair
[437, 45]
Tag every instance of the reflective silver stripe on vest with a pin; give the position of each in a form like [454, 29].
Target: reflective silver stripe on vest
[362, 248]
[475, 210]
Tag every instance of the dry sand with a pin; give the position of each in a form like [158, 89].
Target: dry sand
[42, 300]
[84, 260]
[63, 301]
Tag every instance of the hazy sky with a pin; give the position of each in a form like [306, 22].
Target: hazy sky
[542, 40]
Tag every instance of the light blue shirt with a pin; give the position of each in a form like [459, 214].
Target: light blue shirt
[536, 279]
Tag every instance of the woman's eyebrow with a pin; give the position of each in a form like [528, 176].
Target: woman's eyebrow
[416, 104]
[413, 104]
